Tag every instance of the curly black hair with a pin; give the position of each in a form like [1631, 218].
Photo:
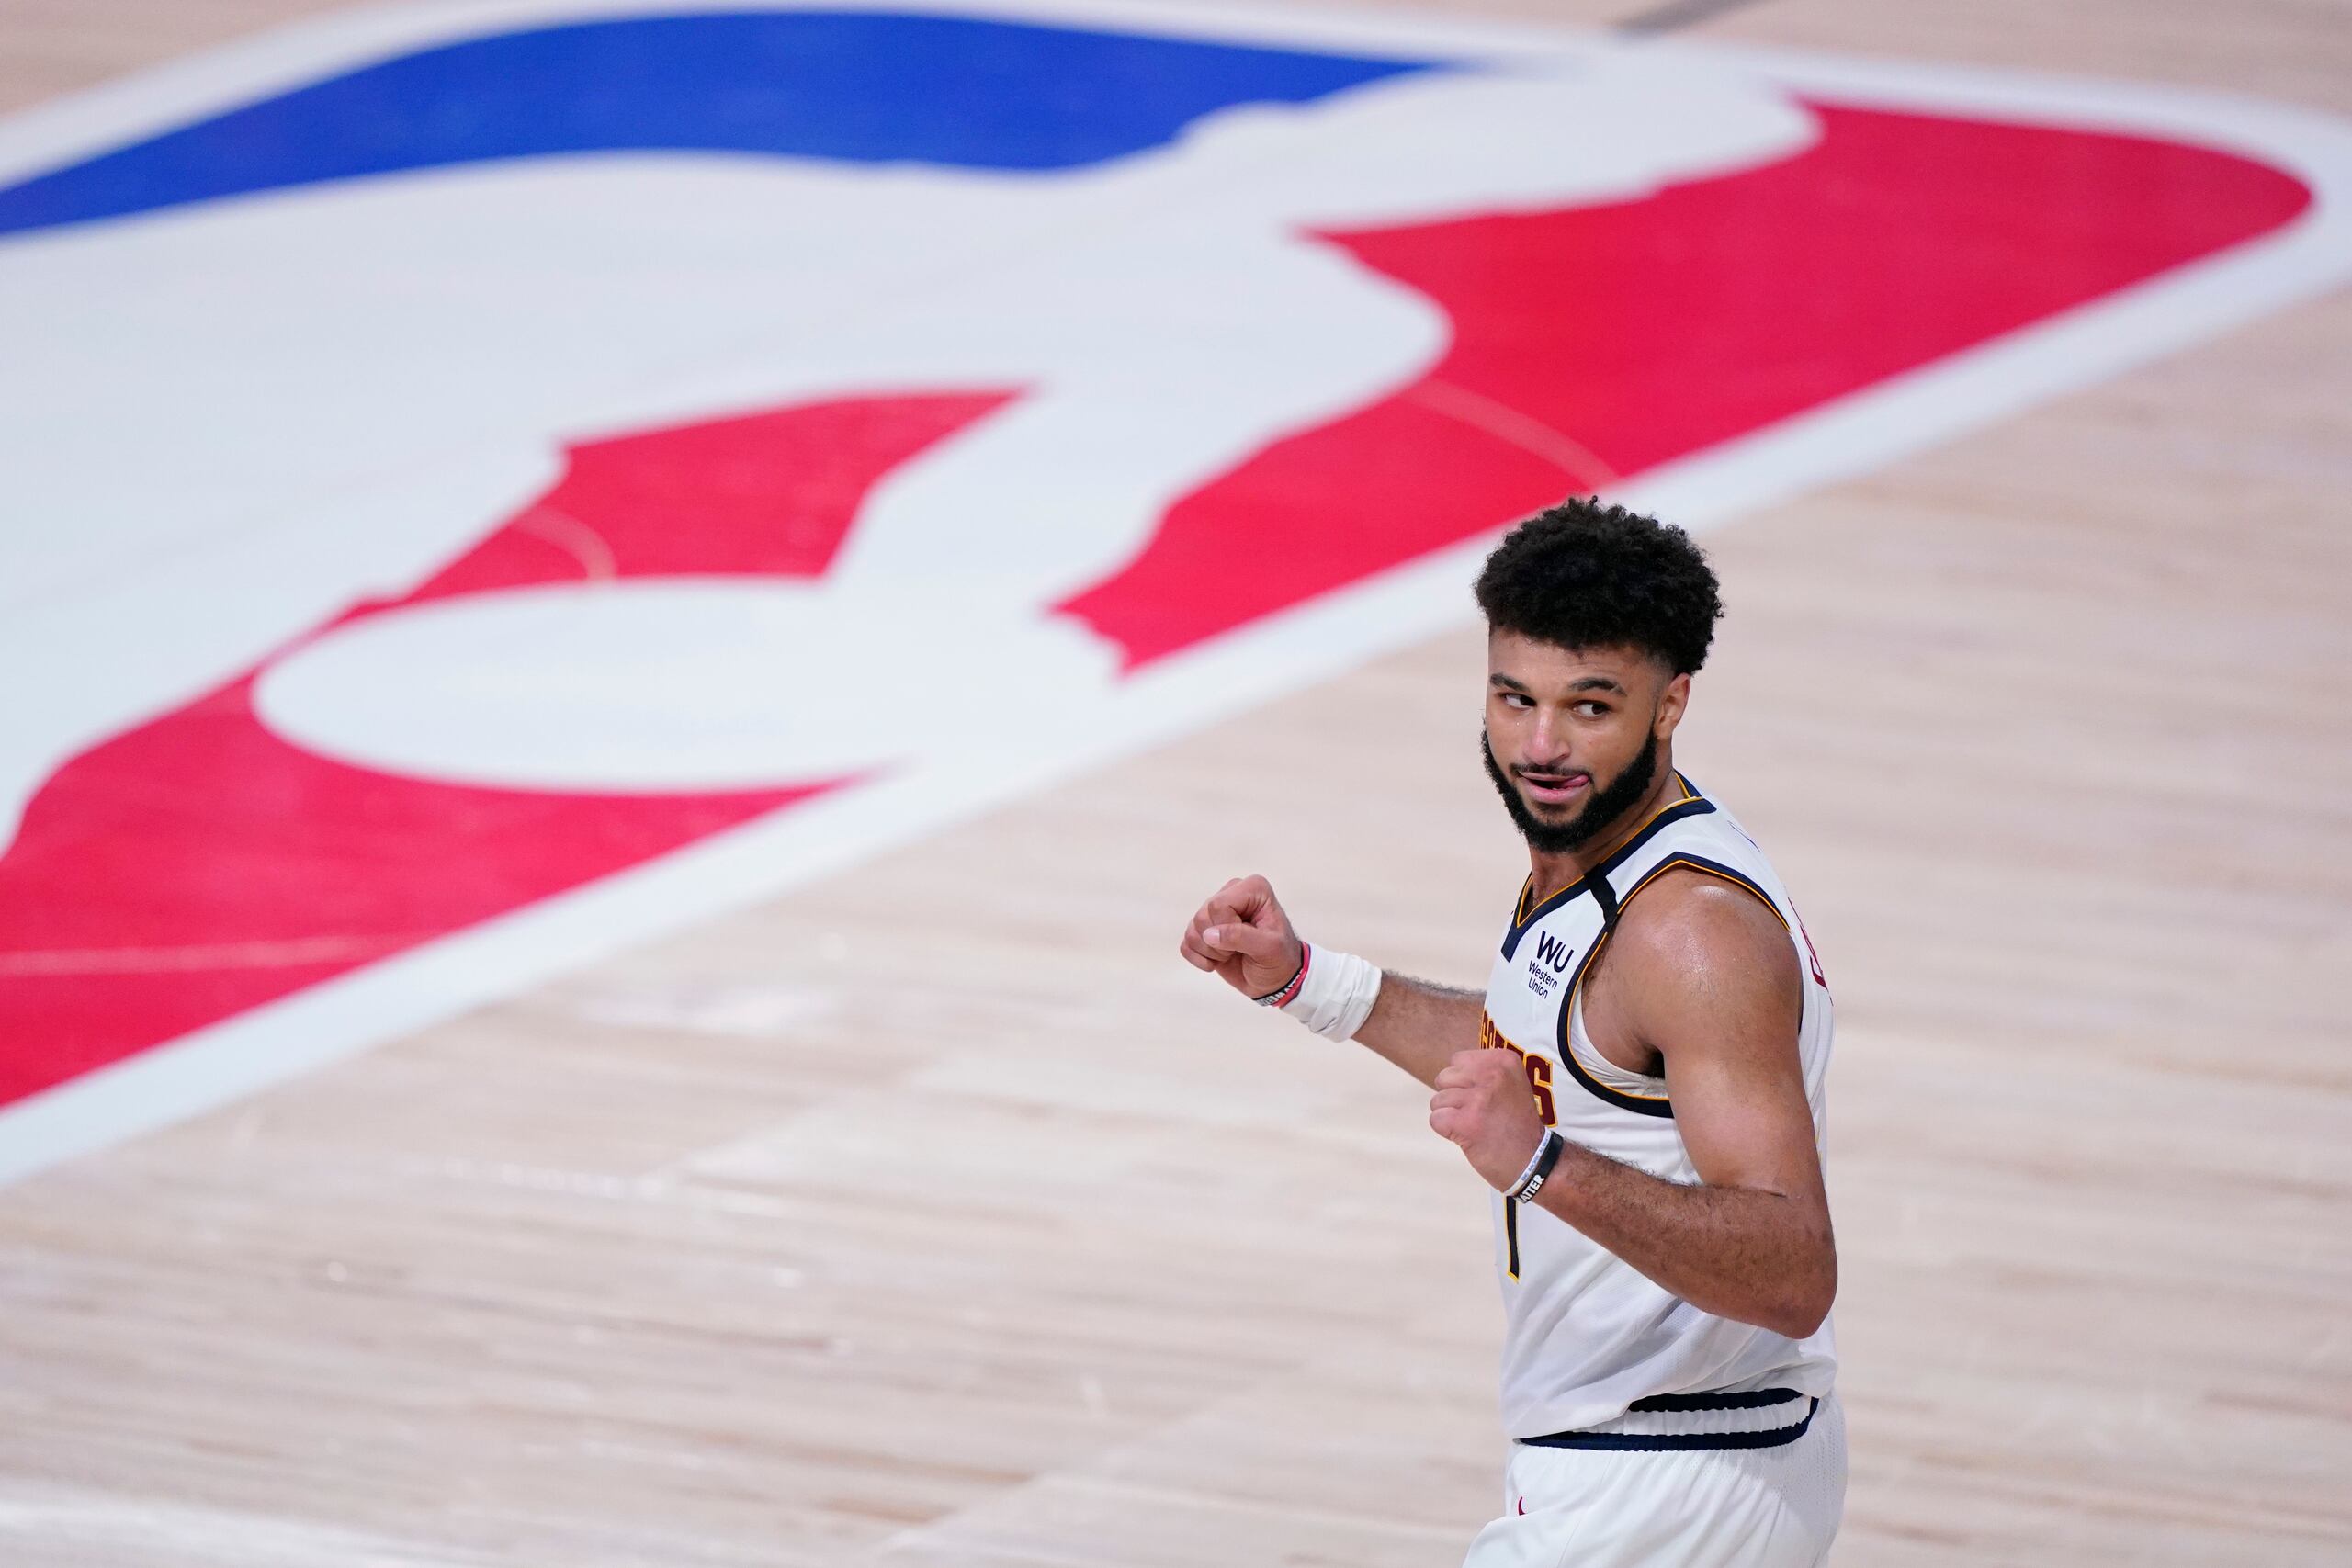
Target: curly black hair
[1583, 574]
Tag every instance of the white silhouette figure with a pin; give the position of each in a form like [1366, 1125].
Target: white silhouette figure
[220, 425]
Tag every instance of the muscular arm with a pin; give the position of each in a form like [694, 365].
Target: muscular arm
[1420, 1025]
[1702, 975]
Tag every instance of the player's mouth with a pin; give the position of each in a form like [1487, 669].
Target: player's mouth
[1553, 789]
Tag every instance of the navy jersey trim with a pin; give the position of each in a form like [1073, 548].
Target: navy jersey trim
[1688, 861]
[1639, 1104]
[1660, 1442]
[1596, 881]
[1752, 1399]
[1696, 806]
[1605, 894]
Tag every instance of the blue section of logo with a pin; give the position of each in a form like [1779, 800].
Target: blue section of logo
[859, 86]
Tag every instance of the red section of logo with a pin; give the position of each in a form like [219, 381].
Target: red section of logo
[198, 867]
[1593, 344]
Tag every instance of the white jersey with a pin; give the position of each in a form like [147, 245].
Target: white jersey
[1586, 1334]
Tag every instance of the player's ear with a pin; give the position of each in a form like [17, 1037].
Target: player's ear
[1672, 702]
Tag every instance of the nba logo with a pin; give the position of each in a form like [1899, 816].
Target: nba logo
[645, 456]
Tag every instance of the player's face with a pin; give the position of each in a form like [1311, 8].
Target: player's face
[1573, 735]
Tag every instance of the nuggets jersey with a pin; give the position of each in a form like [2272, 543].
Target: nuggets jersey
[1586, 1334]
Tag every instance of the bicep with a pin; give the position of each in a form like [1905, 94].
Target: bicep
[1722, 1003]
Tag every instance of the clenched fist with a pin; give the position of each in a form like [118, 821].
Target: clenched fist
[1242, 934]
[1484, 1104]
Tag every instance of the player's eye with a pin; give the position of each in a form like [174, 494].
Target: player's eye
[1590, 709]
[1517, 700]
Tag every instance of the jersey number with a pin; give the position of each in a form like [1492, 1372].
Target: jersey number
[1538, 1068]
[1539, 1078]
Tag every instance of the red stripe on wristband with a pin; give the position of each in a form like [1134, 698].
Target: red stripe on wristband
[1288, 994]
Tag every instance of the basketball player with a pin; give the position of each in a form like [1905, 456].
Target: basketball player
[1642, 1084]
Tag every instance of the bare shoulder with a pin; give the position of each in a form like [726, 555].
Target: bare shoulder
[1695, 944]
[1687, 916]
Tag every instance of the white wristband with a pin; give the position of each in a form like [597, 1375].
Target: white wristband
[1336, 993]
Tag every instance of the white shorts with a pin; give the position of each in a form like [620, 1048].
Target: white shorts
[1680, 1507]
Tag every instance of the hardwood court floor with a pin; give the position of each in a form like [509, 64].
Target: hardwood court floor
[938, 1215]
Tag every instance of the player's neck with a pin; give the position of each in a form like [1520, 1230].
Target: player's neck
[1553, 871]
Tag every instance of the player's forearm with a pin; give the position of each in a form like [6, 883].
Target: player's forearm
[1420, 1025]
[1752, 1256]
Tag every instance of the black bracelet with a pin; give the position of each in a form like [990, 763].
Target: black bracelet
[1547, 1155]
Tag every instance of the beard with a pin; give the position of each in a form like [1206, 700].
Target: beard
[1608, 802]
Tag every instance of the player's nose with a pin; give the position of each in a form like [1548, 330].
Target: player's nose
[1548, 743]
